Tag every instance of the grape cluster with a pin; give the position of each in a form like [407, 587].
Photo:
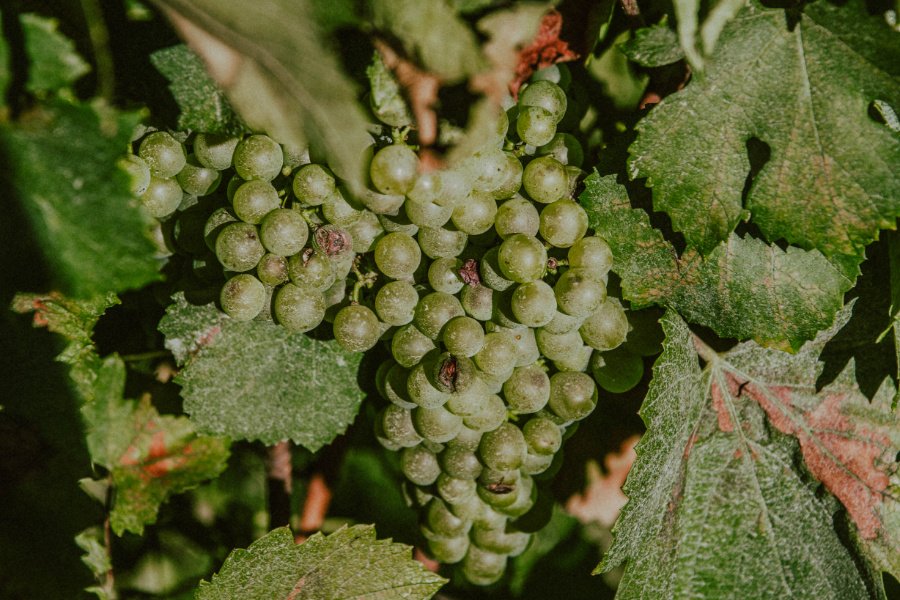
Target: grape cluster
[484, 282]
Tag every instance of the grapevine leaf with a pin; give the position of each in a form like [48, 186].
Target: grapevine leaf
[716, 506]
[432, 34]
[743, 289]
[719, 14]
[350, 563]
[60, 163]
[203, 105]
[654, 46]
[830, 182]
[255, 380]
[54, 63]
[96, 558]
[386, 97]
[275, 66]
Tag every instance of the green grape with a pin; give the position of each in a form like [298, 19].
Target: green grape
[527, 390]
[441, 242]
[258, 157]
[312, 270]
[299, 309]
[365, 232]
[488, 169]
[512, 181]
[533, 303]
[254, 200]
[394, 168]
[563, 223]
[243, 297]
[283, 231]
[482, 567]
[617, 370]
[272, 269]
[399, 222]
[395, 302]
[138, 173]
[476, 214]
[522, 258]
[491, 416]
[490, 272]
[497, 353]
[233, 184]
[313, 185]
[434, 311]
[498, 491]
[556, 346]
[535, 125]
[428, 214]
[562, 323]
[238, 247]
[443, 275]
[545, 180]
[576, 360]
[592, 254]
[526, 346]
[162, 197]
[356, 328]
[573, 395]
[337, 210]
[394, 387]
[517, 215]
[460, 462]
[428, 188]
[448, 550]
[420, 387]
[542, 436]
[477, 301]
[469, 402]
[196, 179]
[420, 465]
[382, 438]
[488, 516]
[463, 336]
[163, 154]
[524, 498]
[558, 74]
[502, 540]
[565, 148]
[607, 327]
[535, 464]
[503, 449]
[397, 255]
[578, 294]
[453, 374]
[646, 336]
[437, 425]
[443, 522]
[409, 345]
[215, 151]
[466, 438]
[548, 96]
[454, 490]
[397, 425]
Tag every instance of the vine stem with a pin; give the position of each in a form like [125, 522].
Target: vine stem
[703, 350]
[99, 36]
[279, 481]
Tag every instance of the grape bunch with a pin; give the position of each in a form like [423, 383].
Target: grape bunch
[483, 281]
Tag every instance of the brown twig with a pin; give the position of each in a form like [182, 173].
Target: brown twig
[315, 507]
[279, 483]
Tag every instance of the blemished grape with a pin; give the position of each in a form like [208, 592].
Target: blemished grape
[394, 168]
[254, 199]
[547, 95]
[397, 255]
[163, 154]
[299, 309]
[444, 275]
[563, 223]
[258, 157]
[215, 151]
[356, 328]
[396, 302]
[420, 387]
[313, 185]
[283, 231]
[617, 370]
[272, 269]
[242, 297]
[238, 247]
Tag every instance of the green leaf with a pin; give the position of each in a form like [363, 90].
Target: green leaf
[54, 63]
[717, 16]
[60, 163]
[350, 563]
[654, 46]
[256, 381]
[203, 105]
[97, 560]
[386, 97]
[830, 182]
[278, 72]
[743, 289]
[717, 507]
[432, 34]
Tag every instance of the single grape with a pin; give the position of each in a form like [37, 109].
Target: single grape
[466, 438]
[522, 258]
[482, 567]
[420, 465]
[196, 179]
[497, 354]
[448, 550]
[535, 125]
[453, 490]
[138, 173]
[562, 323]
[460, 463]
[436, 424]
[502, 540]
[490, 272]
[299, 309]
[469, 403]
[397, 425]
[577, 359]
[443, 275]
[409, 345]
[488, 169]
[365, 232]
[573, 395]
[607, 327]
[592, 254]
[527, 390]
[545, 180]
[394, 168]
[491, 416]
[238, 247]
[312, 270]
[283, 231]
[517, 215]
[428, 214]
[533, 303]
[258, 157]
[233, 184]
[313, 185]
[336, 209]
[542, 436]
[420, 386]
[547, 95]
[512, 181]
[272, 269]
[556, 346]
[243, 297]
[434, 311]
[463, 336]
[428, 188]
[443, 522]
[476, 214]
[578, 294]
[477, 301]
[215, 151]
[442, 242]
[453, 374]
[617, 370]
[163, 154]
[396, 302]
[397, 255]
[356, 328]
[162, 197]
[255, 199]
[535, 464]
[563, 223]
[504, 448]
[395, 387]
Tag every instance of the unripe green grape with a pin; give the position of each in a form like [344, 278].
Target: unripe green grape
[460, 462]
[272, 269]
[162, 197]
[238, 247]
[578, 294]
[454, 490]
[547, 95]
[463, 336]
[497, 353]
[512, 181]
[563, 223]
[545, 180]
[299, 309]
[476, 214]
[481, 567]
[365, 232]
[535, 125]
[558, 74]
[338, 211]
[524, 500]
[557, 345]
[517, 215]
[488, 516]
[526, 346]
[573, 395]
[491, 274]
[577, 359]
[399, 222]
[448, 550]
[138, 173]
[313, 185]
[434, 311]
[441, 242]
[254, 200]
[522, 258]
[217, 221]
[258, 157]
[215, 151]
[533, 303]
[477, 301]
[428, 214]
[397, 255]
[443, 522]
[163, 154]
[466, 438]
[409, 345]
[283, 232]
[617, 370]
[233, 184]
[488, 169]
[397, 425]
[470, 402]
[311, 270]
[356, 328]
[420, 465]
[394, 387]
[421, 388]
[394, 168]
[427, 188]
[443, 275]
[535, 464]
[196, 179]
[382, 438]
[504, 448]
[562, 323]
[395, 302]
[591, 254]
[565, 148]
[607, 327]
[503, 540]
[491, 416]
[542, 436]
[527, 390]
[437, 425]
[242, 297]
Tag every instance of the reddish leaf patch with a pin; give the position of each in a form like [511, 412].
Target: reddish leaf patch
[546, 50]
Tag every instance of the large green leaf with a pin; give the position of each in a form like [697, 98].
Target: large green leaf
[255, 380]
[743, 289]
[831, 180]
[279, 73]
[350, 563]
[60, 163]
[717, 507]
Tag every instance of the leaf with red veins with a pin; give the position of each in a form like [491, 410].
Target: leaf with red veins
[546, 50]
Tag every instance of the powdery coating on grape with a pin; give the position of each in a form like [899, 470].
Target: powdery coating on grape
[517, 215]
[313, 185]
[254, 199]
[196, 179]
[477, 301]
[238, 247]
[443, 275]
[592, 254]
[497, 354]
[545, 180]
[284, 232]
[573, 395]
[394, 168]
[162, 197]
[578, 294]
[491, 274]
[397, 255]
[556, 346]
[527, 390]
[428, 214]
[476, 214]
[454, 490]
[443, 522]
[434, 311]
[535, 125]
[504, 448]
[547, 95]
[441, 242]
[311, 269]
[437, 425]
[522, 258]
[299, 309]
[542, 436]
[272, 269]
[534, 303]
[242, 297]
[512, 182]
[576, 360]
[409, 345]
[463, 336]
[258, 157]
[215, 151]
[607, 327]
[563, 223]
[356, 328]
[419, 465]
[421, 389]
[337, 210]
[448, 550]
[163, 154]
[461, 463]
[491, 416]
[397, 425]
[396, 302]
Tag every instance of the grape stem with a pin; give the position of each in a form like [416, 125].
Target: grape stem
[363, 280]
